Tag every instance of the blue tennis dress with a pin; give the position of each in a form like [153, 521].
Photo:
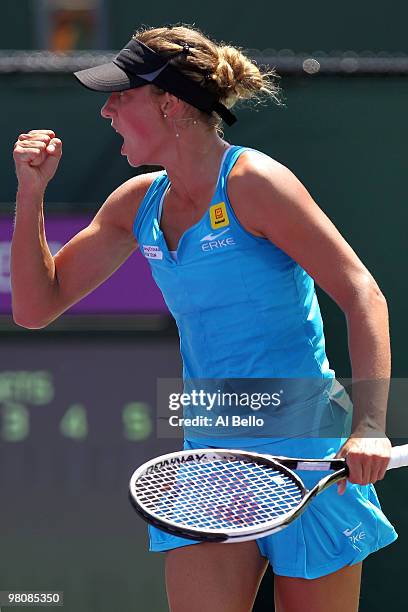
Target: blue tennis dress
[248, 314]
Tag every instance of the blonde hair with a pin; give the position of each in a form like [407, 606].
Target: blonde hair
[222, 69]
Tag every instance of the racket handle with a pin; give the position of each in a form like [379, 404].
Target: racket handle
[399, 457]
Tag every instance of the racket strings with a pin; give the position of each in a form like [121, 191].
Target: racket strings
[216, 494]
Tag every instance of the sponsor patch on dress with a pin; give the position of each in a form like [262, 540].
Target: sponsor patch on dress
[218, 215]
[152, 252]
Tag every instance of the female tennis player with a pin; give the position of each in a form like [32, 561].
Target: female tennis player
[234, 241]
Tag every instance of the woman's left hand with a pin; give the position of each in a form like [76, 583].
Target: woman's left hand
[367, 460]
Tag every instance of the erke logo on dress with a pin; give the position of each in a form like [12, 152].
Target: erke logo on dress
[212, 241]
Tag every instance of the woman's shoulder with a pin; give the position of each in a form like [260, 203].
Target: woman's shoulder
[123, 204]
[252, 164]
[269, 186]
[137, 186]
[256, 174]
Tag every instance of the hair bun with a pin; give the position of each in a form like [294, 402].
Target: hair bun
[238, 77]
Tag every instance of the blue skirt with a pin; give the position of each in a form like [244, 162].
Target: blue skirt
[334, 531]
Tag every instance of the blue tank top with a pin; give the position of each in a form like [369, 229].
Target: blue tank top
[243, 307]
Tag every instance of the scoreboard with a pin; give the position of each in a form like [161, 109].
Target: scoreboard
[77, 416]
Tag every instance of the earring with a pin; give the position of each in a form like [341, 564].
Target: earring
[165, 116]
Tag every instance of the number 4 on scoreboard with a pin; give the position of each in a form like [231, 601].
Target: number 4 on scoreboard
[74, 423]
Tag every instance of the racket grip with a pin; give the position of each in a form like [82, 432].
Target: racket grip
[399, 457]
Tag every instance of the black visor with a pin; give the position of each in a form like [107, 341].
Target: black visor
[137, 65]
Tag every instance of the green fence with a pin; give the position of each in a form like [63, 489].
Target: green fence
[258, 25]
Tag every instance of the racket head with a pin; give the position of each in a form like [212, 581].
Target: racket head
[216, 495]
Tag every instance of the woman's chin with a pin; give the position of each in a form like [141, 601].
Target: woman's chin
[125, 154]
[133, 160]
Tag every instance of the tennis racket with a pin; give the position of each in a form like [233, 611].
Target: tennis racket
[226, 495]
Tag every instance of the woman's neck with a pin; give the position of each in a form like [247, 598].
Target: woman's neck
[193, 165]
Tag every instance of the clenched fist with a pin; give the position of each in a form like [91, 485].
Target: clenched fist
[36, 156]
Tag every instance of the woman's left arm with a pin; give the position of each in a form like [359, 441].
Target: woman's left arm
[271, 202]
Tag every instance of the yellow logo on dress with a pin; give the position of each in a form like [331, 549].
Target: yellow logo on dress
[218, 215]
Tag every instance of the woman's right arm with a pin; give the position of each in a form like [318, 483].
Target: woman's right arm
[43, 286]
